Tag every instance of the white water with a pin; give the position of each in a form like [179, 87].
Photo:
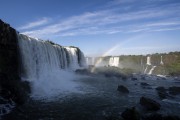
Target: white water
[114, 61]
[162, 63]
[151, 70]
[49, 67]
[90, 60]
[148, 64]
[145, 71]
[148, 60]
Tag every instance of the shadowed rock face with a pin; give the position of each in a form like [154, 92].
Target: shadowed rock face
[131, 114]
[10, 82]
[174, 90]
[149, 104]
[162, 92]
[122, 89]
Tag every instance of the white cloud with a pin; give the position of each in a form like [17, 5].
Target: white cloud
[34, 24]
[109, 21]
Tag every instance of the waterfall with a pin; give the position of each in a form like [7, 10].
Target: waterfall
[45, 63]
[151, 70]
[114, 61]
[90, 60]
[39, 57]
[148, 65]
[148, 60]
[161, 63]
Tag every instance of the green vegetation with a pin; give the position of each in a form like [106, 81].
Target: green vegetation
[137, 63]
[113, 71]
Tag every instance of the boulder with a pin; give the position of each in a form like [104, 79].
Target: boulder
[122, 89]
[162, 92]
[149, 104]
[174, 90]
[153, 117]
[134, 78]
[144, 84]
[83, 72]
[131, 114]
[156, 116]
[171, 117]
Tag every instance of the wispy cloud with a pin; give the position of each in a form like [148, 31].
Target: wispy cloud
[112, 21]
[34, 24]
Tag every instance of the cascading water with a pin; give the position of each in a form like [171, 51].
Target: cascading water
[90, 60]
[148, 66]
[114, 61]
[151, 70]
[162, 63]
[148, 60]
[49, 67]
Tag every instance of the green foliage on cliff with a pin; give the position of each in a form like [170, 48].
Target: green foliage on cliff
[137, 63]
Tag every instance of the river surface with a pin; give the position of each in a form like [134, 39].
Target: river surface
[98, 99]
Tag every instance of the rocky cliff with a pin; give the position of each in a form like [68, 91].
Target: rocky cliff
[164, 63]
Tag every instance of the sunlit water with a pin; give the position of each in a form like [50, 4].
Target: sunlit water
[97, 99]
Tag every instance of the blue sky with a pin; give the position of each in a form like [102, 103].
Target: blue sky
[99, 27]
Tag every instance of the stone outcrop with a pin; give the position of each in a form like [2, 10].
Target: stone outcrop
[10, 83]
[149, 104]
[122, 89]
[131, 114]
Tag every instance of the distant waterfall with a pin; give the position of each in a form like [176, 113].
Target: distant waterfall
[41, 57]
[149, 66]
[151, 70]
[114, 61]
[90, 60]
[148, 60]
[162, 63]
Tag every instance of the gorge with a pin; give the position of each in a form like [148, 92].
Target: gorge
[27, 65]
[42, 80]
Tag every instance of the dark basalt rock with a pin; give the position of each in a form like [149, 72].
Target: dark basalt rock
[124, 77]
[162, 92]
[169, 117]
[10, 82]
[149, 104]
[122, 89]
[174, 90]
[83, 72]
[3, 101]
[131, 114]
[157, 116]
[144, 84]
[153, 117]
[134, 78]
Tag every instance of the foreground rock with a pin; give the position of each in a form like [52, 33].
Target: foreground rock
[11, 86]
[134, 78]
[153, 117]
[131, 114]
[156, 116]
[169, 117]
[83, 72]
[149, 104]
[162, 92]
[122, 89]
[144, 84]
[174, 90]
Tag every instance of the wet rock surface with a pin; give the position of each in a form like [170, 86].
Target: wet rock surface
[122, 89]
[174, 90]
[12, 89]
[131, 114]
[162, 92]
[149, 104]
[144, 84]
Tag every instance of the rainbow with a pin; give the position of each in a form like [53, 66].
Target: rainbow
[119, 45]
